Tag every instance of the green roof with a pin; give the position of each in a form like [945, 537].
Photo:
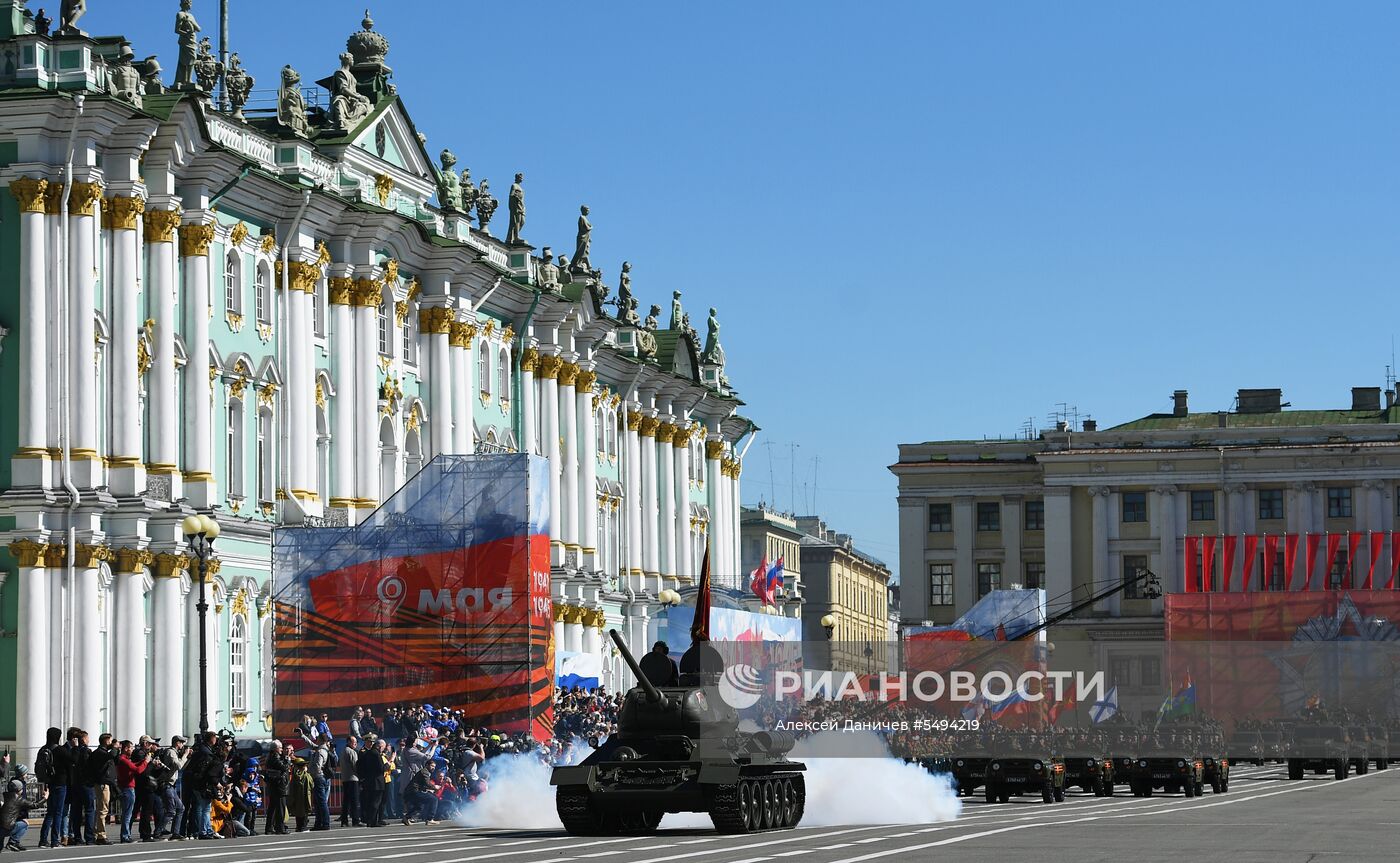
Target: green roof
[1270, 419]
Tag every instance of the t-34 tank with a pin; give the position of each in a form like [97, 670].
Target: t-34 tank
[678, 748]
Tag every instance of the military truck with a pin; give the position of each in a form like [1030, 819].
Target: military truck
[1171, 772]
[1319, 748]
[678, 748]
[1025, 773]
[969, 770]
[1093, 773]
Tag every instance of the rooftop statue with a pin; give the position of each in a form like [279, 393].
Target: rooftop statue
[348, 105]
[563, 264]
[42, 22]
[291, 105]
[651, 322]
[486, 205]
[713, 353]
[468, 191]
[516, 205]
[689, 330]
[69, 11]
[150, 76]
[625, 300]
[547, 273]
[207, 68]
[677, 313]
[449, 189]
[238, 84]
[123, 81]
[583, 244]
[187, 29]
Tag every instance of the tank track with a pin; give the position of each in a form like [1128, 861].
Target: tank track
[757, 804]
[575, 813]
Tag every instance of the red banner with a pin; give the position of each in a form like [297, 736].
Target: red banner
[1353, 543]
[1394, 558]
[1227, 568]
[1251, 543]
[1290, 558]
[1311, 555]
[1208, 563]
[1191, 579]
[1377, 545]
[1334, 541]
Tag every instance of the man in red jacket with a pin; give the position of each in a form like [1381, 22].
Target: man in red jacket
[129, 767]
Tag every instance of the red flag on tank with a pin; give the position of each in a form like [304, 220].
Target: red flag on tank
[700, 626]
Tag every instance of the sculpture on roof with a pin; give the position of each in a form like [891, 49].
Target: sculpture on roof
[626, 302]
[486, 204]
[348, 105]
[468, 191]
[583, 243]
[368, 49]
[69, 11]
[237, 84]
[123, 81]
[42, 22]
[713, 353]
[449, 189]
[187, 29]
[150, 76]
[515, 203]
[652, 321]
[291, 105]
[689, 330]
[547, 274]
[207, 68]
[677, 313]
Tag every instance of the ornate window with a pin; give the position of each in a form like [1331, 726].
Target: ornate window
[233, 285]
[318, 309]
[410, 342]
[483, 368]
[265, 479]
[265, 666]
[323, 454]
[600, 431]
[503, 374]
[262, 296]
[234, 453]
[384, 313]
[238, 664]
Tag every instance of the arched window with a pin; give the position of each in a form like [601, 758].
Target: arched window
[503, 374]
[318, 308]
[265, 665]
[483, 368]
[388, 460]
[612, 434]
[323, 454]
[491, 439]
[599, 431]
[265, 479]
[384, 327]
[238, 664]
[262, 296]
[413, 453]
[410, 332]
[234, 452]
[233, 284]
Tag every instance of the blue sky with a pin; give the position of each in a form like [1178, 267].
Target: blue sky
[926, 220]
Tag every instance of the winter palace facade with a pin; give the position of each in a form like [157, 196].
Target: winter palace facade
[275, 317]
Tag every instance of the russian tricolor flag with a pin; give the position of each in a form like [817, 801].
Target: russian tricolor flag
[775, 576]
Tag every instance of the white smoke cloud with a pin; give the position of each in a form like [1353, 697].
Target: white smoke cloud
[871, 788]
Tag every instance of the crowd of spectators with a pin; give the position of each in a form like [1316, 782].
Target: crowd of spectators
[413, 763]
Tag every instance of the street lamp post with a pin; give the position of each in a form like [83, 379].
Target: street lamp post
[200, 533]
[828, 623]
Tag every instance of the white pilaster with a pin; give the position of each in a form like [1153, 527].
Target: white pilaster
[87, 642]
[964, 566]
[1168, 561]
[651, 551]
[365, 301]
[343, 489]
[587, 497]
[164, 433]
[666, 500]
[528, 408]
[713, 449]
[569, 484]
[631, 472]
[1099, 571]
[34, 673]
[127, 474]
[680, 457]
[1059, 548]
[81, 329]
[129, 691]
[33, 401]
[549, 395]
[195, 238]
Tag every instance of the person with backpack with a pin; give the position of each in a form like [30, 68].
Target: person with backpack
[202, 774]
[322, 769]
[174, 757]
[149, 789]
[52, 767]
[14, 809]
[102, 779]
[81, 829]
[276, 779]
[349, 784]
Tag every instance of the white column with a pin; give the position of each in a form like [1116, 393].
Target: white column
[736, 563]
[33, 673]
[592, 639]
[1164, 512]
[964, 567]
[87, 640]
[164, 435]
[573, 636]
[549, 395]
[299, 401]
[559, 628]
[528, 361]
[588, 470]
[194, 264]
[651, 551]
[666, 499]
[365, 301]
[460, 361]
[631, 472]
[34, 357]
[680, 457]
[569, 485]
[1059, 548]
[435, 324]
[713, 449]
[213, 651]
[129, 642]
[168, 659]
[1099, 572]
[127, 471]
[343, 489]
[82, 373]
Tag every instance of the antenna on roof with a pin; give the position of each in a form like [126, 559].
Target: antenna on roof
[1390, 369]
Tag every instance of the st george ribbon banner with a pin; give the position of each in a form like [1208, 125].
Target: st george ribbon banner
[440, 596]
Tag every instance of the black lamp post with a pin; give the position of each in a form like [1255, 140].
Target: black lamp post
[869, 652]
[828, 623]
[200, 533]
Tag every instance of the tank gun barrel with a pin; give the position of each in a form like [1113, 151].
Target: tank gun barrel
[653, 694]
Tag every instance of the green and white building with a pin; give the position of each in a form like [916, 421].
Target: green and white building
[276, 325]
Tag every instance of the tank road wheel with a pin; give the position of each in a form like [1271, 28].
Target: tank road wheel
[788, 797]
[799, 787]
[746, 805]
[1295, 770]
[768, 797]
[576, 812]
